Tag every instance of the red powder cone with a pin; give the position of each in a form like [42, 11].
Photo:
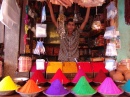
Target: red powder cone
[80, 74]
[59, 75]
[38, 77]
[100, 77]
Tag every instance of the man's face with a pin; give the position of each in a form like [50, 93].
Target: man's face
[70, 27]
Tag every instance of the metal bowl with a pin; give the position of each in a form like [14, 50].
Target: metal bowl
[29, 94]
[20, 80]
[7, 93]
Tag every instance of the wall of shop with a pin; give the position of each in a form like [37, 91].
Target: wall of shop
[124, 29]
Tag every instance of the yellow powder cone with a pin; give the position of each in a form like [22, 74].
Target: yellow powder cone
[7, 84]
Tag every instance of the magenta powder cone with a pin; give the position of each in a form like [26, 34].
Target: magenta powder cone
[79, 74]
[100, 77]
[109, 87]
[38, 77]
[56, 89]
[59, 75]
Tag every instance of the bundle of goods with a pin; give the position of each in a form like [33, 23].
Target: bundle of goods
[83, 3]
[66, 3]
[122, 72]
[99, 41]
[25, 63]
[86, 89]
[117, 76]
[89, 3]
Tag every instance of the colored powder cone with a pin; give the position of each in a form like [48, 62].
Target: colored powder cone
[38, 77]
[109, 87]
[100, 77]
[7, 84]
[56, 88]
[80, 74]
[59, 75]
[126, 86]
[30, 87]
[83, 87]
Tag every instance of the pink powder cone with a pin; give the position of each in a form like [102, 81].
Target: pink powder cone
[109, 87]
[79, 74]
[38, 77]
[59, 75]
[100, 77]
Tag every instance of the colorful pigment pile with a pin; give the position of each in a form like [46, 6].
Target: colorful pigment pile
[7, 84]
[38, 77]
[109, 87]
[83, 87]
[59, 75]
[30, 87]
[79, 74]
[56, 88]
[126, 86]
[100, 77]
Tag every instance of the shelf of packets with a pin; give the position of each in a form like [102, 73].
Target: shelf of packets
[52, 50]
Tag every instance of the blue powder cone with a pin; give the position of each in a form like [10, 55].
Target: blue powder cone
[126, 86]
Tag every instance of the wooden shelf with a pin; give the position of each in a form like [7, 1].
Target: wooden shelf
[97, 47]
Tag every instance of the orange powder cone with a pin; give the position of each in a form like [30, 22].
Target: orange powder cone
[30, 87]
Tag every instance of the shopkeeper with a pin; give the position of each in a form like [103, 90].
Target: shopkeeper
[69, 44]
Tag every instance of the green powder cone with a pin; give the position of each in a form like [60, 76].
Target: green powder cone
[83, 87]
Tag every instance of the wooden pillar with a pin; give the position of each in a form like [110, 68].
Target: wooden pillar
[22, 27]
[11, 45]
[1, 33]
[11, 49]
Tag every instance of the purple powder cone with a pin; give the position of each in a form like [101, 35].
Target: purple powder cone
[56, 88]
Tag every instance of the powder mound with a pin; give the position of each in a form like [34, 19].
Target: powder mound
[30, 87]
[126, 86]
[7, 84]
[59, 75]
[80, 74]
[109, 87]
[83, 87]
[56, 88]
[100, 77]
[38, 77]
